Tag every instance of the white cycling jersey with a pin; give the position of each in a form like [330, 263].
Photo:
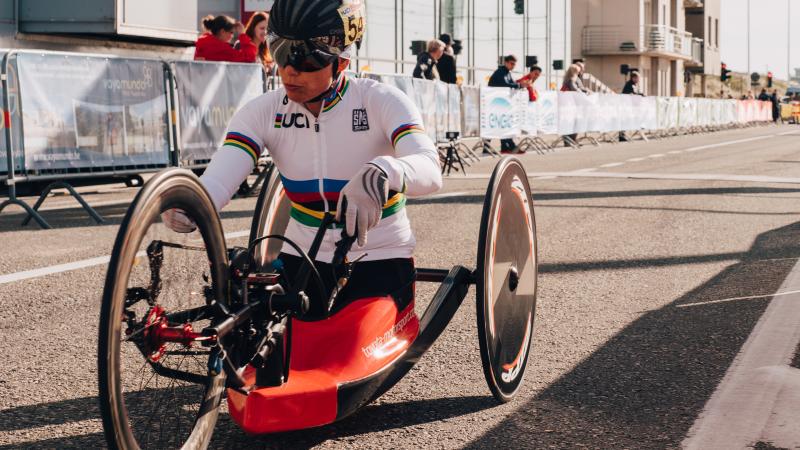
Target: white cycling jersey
[362, 121]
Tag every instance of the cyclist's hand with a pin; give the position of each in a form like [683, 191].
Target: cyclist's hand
[177, 221]
[366, 194]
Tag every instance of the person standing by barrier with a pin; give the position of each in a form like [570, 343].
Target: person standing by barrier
[216, 44]
[631, 88]
[570, 84]
[776, 105]
[256, 30]
[763, 96]
[529, 81]
[579, 80]
[446, 65]
[426, 61]
[502, 78]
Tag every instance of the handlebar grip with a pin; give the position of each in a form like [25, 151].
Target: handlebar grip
[344, 245]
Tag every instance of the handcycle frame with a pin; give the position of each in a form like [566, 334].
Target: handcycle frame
[250, 331]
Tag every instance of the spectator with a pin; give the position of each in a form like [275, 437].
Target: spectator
[203, 29]
[570, 84]
[530, 79]
[502, 78]
[426, 61]
[446, 65]
[256, 30]
[579, 81]
[632, 85]
[631, 88]
[215, 45]
[763, 96]
[776, 105]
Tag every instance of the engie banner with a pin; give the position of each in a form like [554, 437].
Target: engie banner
[92, 112]
[501, 113]
[208, 96]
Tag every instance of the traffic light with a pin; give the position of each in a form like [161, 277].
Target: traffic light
[418, 47]
[457, 46]
[724, 73]
[519, 6]
[769, 79]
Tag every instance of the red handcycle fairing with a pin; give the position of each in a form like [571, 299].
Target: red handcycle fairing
[330, 368]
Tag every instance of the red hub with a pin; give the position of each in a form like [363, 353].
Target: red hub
[157, 334]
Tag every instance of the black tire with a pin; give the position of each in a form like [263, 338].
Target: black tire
[506, 278]
[271, 216]
[188, 416]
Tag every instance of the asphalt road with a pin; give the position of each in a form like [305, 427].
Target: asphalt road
[644, 249]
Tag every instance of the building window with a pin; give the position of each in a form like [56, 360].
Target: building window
[716, 32]
[709, 34]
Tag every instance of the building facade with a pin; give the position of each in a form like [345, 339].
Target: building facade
[487, 30]
[647, 35]
[702, 20]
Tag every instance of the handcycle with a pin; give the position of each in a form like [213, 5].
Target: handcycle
[186, 321]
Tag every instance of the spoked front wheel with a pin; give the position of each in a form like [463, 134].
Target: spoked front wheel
[160, 378]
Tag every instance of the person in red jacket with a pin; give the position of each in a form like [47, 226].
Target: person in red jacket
[531, 78]
[215, 45]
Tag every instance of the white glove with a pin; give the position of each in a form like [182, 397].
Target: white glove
[366, 193]
[176, 220]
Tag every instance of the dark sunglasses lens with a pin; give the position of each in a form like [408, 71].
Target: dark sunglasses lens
[298, 55]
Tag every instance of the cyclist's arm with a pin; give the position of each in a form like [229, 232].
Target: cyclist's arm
[237, 157]
[414, 168]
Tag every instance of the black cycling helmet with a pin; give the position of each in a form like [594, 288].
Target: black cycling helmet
[311, 34]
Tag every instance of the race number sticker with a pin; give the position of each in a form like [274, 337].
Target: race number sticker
[353, 19]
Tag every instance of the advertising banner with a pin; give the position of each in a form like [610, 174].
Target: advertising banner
[567, 112]
[547, 105]
[453, 108]
[500, 119]
[530, 119]
[426, 102]
[208, 96]
[442, 102]
[86, 111]
[17, 156]
[471, 110]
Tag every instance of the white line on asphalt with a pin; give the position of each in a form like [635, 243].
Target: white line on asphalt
[82, 264]
[675, 152]
[635, 159]
[613, 164]
[657, 155]
[727, 143]
[588, 169]
[756, 400]
[654, 176]
[733, 299]
[445, 195]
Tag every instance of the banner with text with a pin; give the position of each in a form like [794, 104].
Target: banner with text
[92, 112]
[208, 96]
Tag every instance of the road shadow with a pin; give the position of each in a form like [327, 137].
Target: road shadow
[372, 418]
[646, 385]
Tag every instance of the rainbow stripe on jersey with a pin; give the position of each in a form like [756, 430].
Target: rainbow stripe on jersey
[404, 130]
[243, 143]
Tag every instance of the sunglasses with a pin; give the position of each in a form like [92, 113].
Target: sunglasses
[303, 55]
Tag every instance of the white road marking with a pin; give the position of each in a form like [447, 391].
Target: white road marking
[675, 152]
[727, 143]
[444, 195]
[613, 164]
[82, 264]
[734, 299]
[655, 176]
[635, 159]
[757, 399]
[657, 155]
[588, 169]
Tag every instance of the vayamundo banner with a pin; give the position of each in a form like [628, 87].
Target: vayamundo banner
[209, 94]
[92, 112]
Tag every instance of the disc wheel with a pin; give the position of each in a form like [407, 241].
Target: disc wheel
[506, 278]
[158, 391]
[271, 216]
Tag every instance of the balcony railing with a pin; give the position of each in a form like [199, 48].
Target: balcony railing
[615, 40]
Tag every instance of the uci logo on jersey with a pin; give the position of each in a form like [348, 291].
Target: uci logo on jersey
[296, 120]
[360, 122]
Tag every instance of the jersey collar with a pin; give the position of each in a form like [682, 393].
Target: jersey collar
[337, 94]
